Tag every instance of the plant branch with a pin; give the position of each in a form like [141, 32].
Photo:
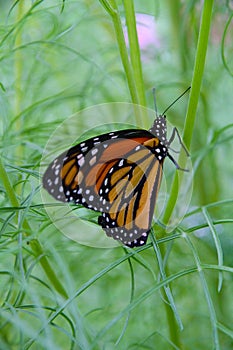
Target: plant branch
[193, 101]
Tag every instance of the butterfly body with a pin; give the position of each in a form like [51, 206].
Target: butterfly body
[117, 174]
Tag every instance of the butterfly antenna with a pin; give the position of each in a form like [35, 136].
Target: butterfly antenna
[176, 100]
[155, 105]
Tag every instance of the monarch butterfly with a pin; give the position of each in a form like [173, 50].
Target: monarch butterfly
[117, 174]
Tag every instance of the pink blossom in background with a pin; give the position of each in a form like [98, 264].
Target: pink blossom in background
[147, 33]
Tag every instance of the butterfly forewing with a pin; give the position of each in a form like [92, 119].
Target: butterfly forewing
[76, 175]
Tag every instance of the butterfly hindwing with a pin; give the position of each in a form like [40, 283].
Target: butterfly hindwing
[131, 191]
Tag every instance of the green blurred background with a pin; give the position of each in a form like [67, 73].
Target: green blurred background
[57, 58]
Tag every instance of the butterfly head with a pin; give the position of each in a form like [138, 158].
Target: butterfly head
[159, 129]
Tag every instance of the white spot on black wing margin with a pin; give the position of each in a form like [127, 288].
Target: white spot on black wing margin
[132, 238]
[52, 181]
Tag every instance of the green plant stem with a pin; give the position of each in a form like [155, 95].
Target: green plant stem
[172, 326]
[135, 56]
[209, 301]
[18, 66]
[34, 244]
[111, 7]
[193, 101]
[173, 318]
[187, 138]
[176, 38]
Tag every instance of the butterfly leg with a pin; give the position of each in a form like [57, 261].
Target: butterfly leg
[174, 133]
[176, 164]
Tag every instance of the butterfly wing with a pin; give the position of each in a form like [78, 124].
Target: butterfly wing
[76, 175]
[117, 174]
[130, 189]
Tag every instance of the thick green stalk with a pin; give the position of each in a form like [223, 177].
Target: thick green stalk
[6, 183]
[193, 100]
[111, 7]
[174, 325]
[134, 48]
[18, 66]
[176, 39]
[12, 195]
[187, 137]
[198, 71]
